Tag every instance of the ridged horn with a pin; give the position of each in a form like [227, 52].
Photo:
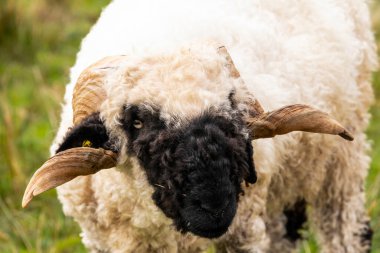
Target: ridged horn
[287, 119]
[64, 166]
[295, 117]
[222, 50]
[255, 106]
[89, 92]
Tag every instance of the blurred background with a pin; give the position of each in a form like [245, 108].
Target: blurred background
[39, 40]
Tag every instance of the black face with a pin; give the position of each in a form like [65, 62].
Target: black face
[196, 170]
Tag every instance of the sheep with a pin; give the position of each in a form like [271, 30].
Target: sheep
[165, 145]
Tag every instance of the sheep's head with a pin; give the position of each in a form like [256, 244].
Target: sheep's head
[187, 119]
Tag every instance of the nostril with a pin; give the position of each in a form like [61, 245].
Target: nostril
[215, 207]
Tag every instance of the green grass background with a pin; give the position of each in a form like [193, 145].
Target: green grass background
[39, 40]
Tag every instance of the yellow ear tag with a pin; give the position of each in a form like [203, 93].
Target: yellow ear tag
[86, 143]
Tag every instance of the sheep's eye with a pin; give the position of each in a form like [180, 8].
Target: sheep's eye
[137, 124]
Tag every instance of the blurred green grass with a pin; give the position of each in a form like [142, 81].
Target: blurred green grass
[39, 40]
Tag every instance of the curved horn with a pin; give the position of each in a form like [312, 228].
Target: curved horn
[88, 95]
[255, 106]
[222, 50]
[287, 119]
[66, 166]
[296, 117]
[89, 92]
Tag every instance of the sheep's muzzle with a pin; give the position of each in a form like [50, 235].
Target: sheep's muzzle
[196, 171]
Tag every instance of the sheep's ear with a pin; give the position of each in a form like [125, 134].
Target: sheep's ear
[91, 132]
[296, 117]
[83, 152]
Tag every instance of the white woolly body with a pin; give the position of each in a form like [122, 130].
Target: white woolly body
[318, 53]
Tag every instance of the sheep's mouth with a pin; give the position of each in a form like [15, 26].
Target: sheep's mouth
[211, 220]
[210, 233]
[213, 229]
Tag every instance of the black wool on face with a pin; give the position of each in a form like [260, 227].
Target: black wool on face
[91, 132]
[196, 170]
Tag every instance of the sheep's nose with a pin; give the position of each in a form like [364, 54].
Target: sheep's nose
[216, 208]
[216, 204]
